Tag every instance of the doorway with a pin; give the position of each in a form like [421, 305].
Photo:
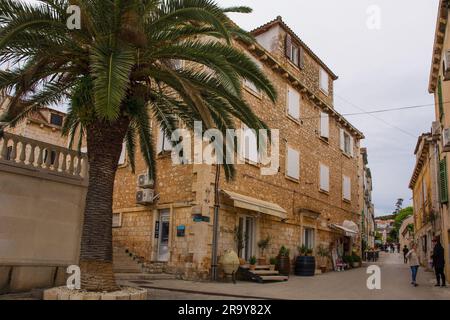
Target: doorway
[247, 225]
[163, 232]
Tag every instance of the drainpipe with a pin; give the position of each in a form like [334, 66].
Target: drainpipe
[214, 249]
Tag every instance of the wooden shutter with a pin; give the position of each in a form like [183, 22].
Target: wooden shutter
[443, 182]
[301, 57]
[352, 147]
[324, 178]
[293, 164]
[293, 103]
[347, 187]
[342, 139]
[288, 47]
[324, 125]
[440, 99]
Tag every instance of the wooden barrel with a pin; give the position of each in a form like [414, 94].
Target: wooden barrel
[284, 265]
[305, 266]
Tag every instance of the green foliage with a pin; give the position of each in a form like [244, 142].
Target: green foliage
[322, 251]
[401, 216]
[253, 260]
[303, 250]
[356, 258]
[273, 261]
[284, 252]
[347, 259]
[263, 244]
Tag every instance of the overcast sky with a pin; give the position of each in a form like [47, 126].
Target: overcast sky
[377, 69]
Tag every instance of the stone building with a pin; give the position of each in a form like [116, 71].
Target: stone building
[366, 204]
[439, 86]
[424, 185]
[406, 233]
[311, 199]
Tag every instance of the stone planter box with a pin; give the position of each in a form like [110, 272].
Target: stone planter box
[63, 293]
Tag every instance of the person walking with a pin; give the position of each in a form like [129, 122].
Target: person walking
[413, 264]
[438, 262]
[405, 252]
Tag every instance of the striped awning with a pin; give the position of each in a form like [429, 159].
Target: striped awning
[253, 204]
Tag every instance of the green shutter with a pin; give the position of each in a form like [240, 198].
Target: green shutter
[440, 99]
[443, 182]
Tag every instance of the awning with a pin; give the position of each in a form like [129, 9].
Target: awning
[253, 204]
[346, 231]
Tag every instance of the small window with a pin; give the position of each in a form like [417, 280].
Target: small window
[117, 220]
[324, 125]
[293, 99]
[56, 119]
[249, 145]
[293, 164]
[164, 142]
[250, 85]
[346, 188]
[324, 81]
[308, 238]
[347, 143]
[324, 178]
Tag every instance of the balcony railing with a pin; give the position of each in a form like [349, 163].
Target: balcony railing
[27, 153]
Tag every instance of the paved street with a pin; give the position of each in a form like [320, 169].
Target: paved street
[348, 285]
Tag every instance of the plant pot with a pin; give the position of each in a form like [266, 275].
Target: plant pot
[355, 264]
[253, 267]
[262, 261]
[242, 262]
[284, 265]
[272, 267]
[305, 266]
[323, 269]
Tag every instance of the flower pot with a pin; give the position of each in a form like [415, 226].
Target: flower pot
[305, 266]
[284, 265]
[272, 267]
[229, 262]
[262, 261]
[242, 262]
[253, 267]
[323, 269]
[355, 264]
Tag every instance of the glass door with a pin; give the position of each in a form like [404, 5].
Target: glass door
[247, 225]
[164, 233]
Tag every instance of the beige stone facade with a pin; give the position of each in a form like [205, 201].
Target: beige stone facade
[310, 209]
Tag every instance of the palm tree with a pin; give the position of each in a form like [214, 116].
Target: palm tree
[116, 72]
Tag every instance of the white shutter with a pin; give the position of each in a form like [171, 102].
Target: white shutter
[324, 125]
[352, 146]
[293, 103]
[249, 147]
[342, 139]
[293, 164]
[324, 178]
[346, 186]
[323, 80]
[122, 158]
[250, 84]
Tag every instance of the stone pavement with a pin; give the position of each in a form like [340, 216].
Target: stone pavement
[347, 285]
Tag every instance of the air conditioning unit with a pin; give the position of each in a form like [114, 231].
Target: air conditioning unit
[446, 70]
[446, 140]
[145, 197]
[145, 182]
[436, 129]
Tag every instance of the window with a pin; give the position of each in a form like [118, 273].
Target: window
[250, 85]
[324, 81]
[308, 238]
[293, 108]
[56, 119]
[249, 145]
[117, 220]
[440, 99]
[324, 178]
[164, 143]
[123, 153]
[324, 125]
[293, 164]
[424, 191]
[346, 188]
[347, 143]
[294, 52]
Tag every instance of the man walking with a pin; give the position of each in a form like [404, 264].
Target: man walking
[438, 262]
[405, 252]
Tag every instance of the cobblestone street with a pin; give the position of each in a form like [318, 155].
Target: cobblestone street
[348, 285]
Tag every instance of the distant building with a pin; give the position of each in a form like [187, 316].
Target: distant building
[367, 207]
[406, 232]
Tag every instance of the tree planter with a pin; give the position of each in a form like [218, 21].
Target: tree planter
[356, 265]
[284, 265]
[323, 269]
[305, 266]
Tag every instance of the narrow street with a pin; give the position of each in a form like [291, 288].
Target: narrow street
[348, 285]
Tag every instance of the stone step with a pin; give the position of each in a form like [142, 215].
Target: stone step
[274, 278]
[256, 267]
[144, 276]
[265, 272]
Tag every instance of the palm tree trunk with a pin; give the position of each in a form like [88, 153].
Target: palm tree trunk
[104, 142]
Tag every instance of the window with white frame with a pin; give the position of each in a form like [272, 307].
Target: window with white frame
[293, 103]
[293, 163]
[324, 178]
[324, 81]
[164, 142]
[117, 220]
[249, 145]
[324, 125]
[347, 143]
[346, 188]
[250, 85]
[308, 238]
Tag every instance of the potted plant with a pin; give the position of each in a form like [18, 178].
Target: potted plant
[305, 264]
[283, 261]
[263, 244]
[323, 254]
[356, 261]
[348, 260]
[239, 238]
[252, 263]
[273, 263]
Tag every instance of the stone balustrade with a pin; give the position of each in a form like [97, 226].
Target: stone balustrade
[27, 153]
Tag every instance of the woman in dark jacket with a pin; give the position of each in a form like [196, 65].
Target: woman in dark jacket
[439, 262]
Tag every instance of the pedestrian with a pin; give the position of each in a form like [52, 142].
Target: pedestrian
[413, 264]
[438, 262]
[398, 247]
[405, 252]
